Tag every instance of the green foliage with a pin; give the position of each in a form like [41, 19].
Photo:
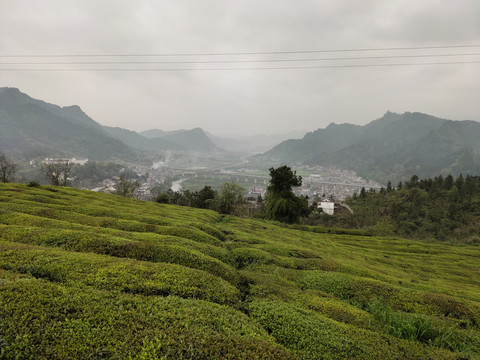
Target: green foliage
[282, 204]
[125, 275]
[45, 320]
[421, 208]
[416, 328]
[229, 201]
[91, 275]
[84, 241]
[282, 180]
[313, 336]
[230, 198]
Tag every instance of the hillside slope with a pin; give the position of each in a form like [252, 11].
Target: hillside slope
[393, 147]
[90, 275]
[33, 128]
[137, 141]
[190, 140]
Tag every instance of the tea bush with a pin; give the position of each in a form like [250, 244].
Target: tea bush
[90, 275]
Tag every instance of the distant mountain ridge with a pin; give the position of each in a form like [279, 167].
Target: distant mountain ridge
[33, 128]
[191, 140]
[393, 147]
[254, 143]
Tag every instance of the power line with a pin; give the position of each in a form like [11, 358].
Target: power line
[243, 53]
[238, 61]
[248, 68]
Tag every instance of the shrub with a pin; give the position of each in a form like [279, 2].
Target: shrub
[42, 320]
[313, 336]
[125, 275]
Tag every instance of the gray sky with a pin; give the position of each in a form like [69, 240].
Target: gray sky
[244, 102]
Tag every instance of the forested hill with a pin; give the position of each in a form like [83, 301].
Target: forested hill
[32, 128]
[441, 208]
[95, 276]
[391, 148]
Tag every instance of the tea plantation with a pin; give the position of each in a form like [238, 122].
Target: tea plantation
[87, 275]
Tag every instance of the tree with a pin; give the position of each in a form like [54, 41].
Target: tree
[58, 171]
[7, 169]
[125, 186]
[282, 180]
[448, 183]
[389, 187]
[162, 198]
[230, 198]
[205, 197]
[282, 204]
[363, 193]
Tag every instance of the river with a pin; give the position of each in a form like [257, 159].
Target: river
[177, 185]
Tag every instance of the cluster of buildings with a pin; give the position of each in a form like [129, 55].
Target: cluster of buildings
[333, 183]
[322, 185]
[62, 160]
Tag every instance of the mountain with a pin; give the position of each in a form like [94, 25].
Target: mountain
[137, 141]
[253, 144]
[34, 128]
[332, 138]
[30, 128]
[393, 147]
[189, 140]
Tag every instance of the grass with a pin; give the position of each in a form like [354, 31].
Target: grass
[90, 275]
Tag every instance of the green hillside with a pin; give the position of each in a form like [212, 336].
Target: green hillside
[390, 148]
[32, 128]
[86, 275]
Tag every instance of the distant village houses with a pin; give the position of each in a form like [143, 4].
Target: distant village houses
[327, 206]
[60, 160]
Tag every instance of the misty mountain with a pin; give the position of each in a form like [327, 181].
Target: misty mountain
[393, 147]
[334, 137]
[31, 128]
[137, 141]
[253, 144]
[189, 140]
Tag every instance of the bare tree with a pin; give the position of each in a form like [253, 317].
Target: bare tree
[7, 169]
[124, 186]
[58, 171]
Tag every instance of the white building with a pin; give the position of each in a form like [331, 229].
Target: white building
[327, 206]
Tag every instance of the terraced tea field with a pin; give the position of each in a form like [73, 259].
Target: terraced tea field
[95, 276]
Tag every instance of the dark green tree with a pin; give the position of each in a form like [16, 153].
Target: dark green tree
[205, 197]
[162, 198]
[363, 193]
[459, 182]
[282, 204]
[448, 183]
[389, 186]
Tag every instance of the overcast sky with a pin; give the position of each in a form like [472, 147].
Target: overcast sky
[249, 101]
